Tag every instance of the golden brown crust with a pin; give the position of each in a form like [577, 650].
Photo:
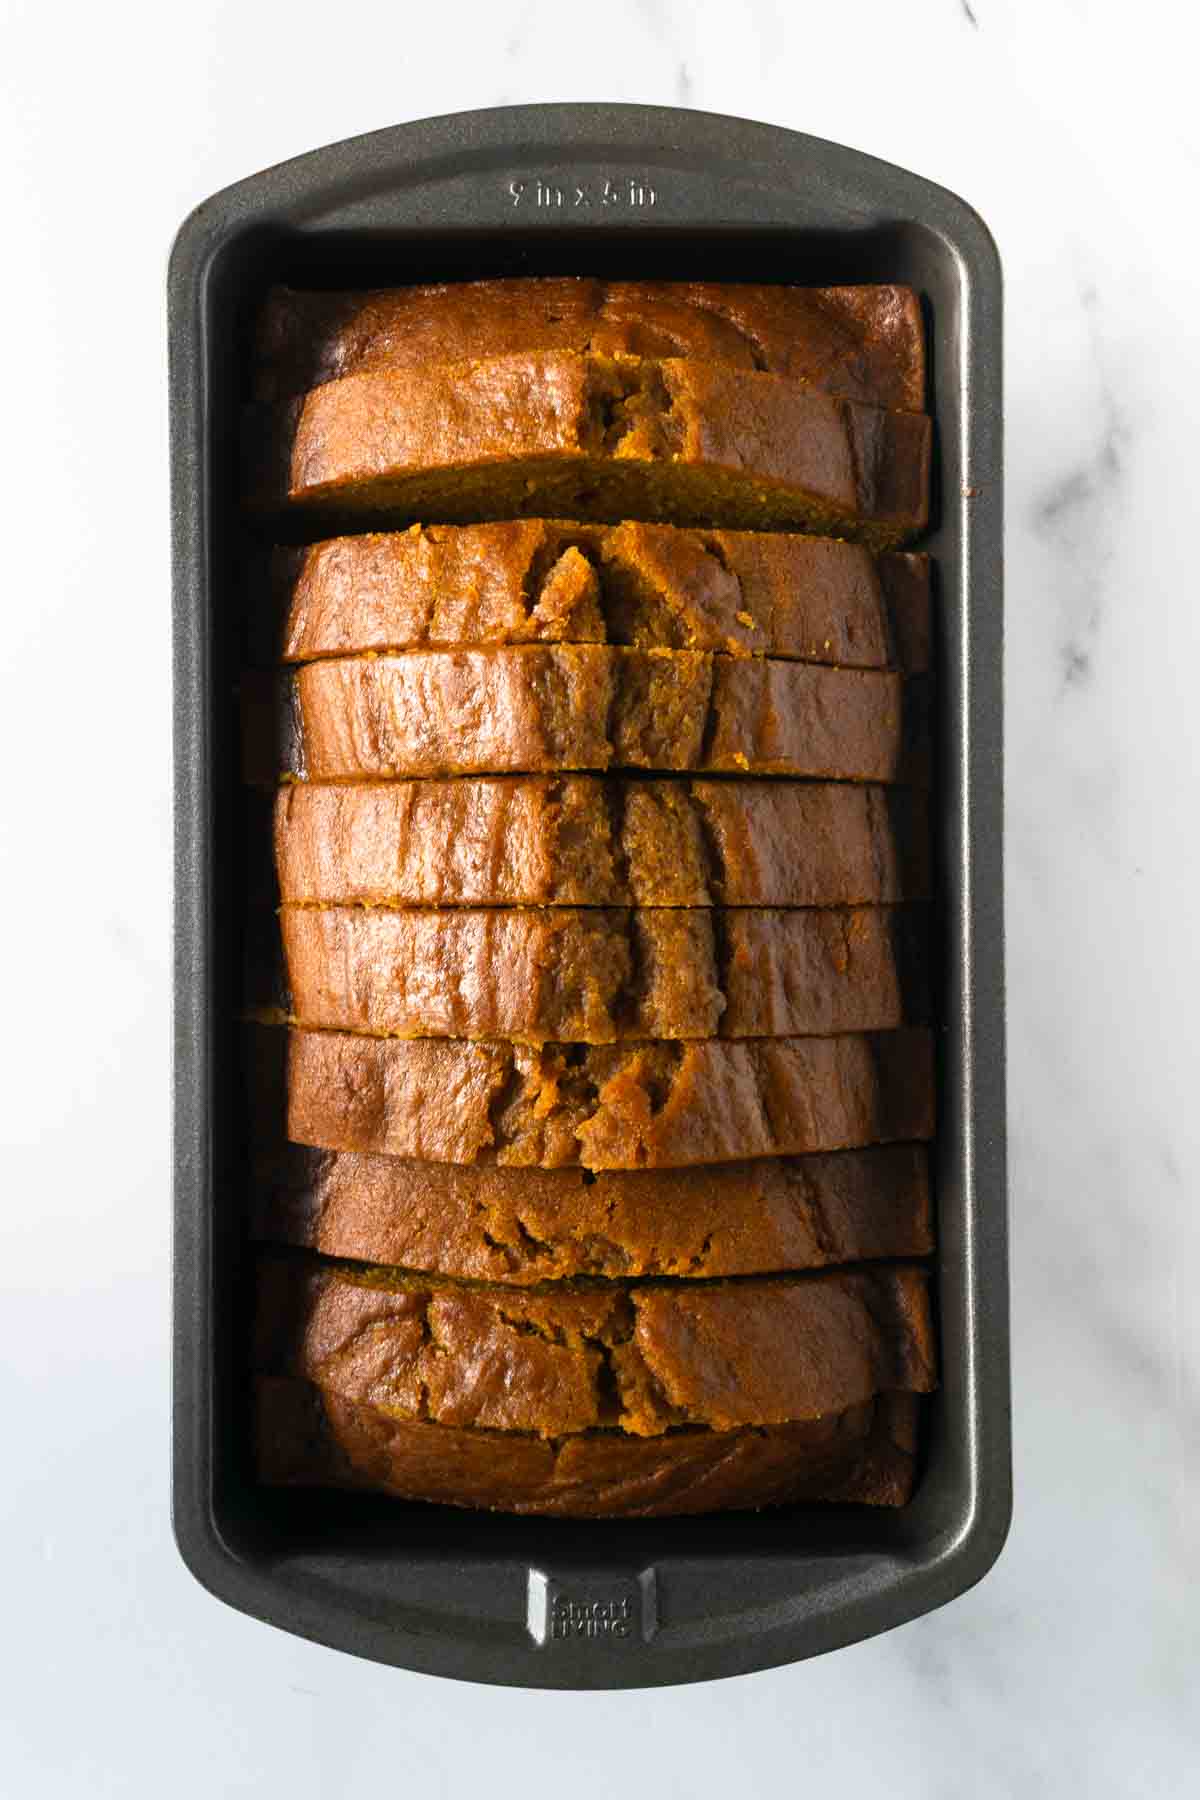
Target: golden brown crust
[598, 975]
[547, 581]
[308, 1438]
[864, 343]
[561, 1359]
[582, 841]
[533, 1225]
[657, 1105]
[565, 436]
[553, 708]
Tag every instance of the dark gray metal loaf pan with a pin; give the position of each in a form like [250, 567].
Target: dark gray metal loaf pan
[600, 190]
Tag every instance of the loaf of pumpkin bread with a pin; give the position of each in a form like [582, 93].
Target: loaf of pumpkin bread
[642, 1358]
[578, 840]
[596, 975]
[595, 1083]
[518, 581]
[527, 1226]
[626, 1106]
[864, 343]
[592, 437]
[554, 708]
[310, 1437]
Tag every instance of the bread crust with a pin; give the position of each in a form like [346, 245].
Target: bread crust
[865, 343]
[307, 1437]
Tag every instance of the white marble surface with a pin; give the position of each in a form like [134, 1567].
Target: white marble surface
[1072, 1669]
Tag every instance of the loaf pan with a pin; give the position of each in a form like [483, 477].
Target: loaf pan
[606, 190]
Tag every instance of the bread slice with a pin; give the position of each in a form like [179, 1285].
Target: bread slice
[865, 343]
[581, 840]
[642, 1358]
[524, 1226]
[554, 708]
[597, 975]
[307, 1437]
[630, 1106]
[521, 581]
[591, 437]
